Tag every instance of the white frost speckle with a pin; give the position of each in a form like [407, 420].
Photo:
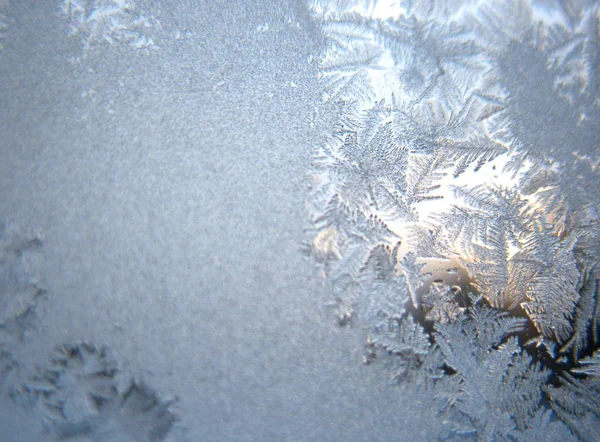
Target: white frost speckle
[261, 29]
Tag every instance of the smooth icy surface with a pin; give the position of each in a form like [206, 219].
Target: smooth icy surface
[169, 188]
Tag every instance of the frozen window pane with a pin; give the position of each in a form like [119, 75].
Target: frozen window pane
[316, 220]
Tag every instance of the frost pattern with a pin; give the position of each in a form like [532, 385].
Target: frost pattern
[576, 400]
[466, 143]
[20, 283]
[490, 372]
[108, 21]
[81, 394]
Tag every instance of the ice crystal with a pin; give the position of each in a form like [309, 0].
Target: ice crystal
[383, 292]
[20, 283]
[82, 394]
[491, 372]
[109, 21]
[402, 336]
[576, 399]
[469, 132]
[440, 304]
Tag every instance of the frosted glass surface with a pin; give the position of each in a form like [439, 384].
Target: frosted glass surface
[306, 220]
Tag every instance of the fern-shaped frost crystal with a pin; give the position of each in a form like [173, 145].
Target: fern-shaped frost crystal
[468, 136]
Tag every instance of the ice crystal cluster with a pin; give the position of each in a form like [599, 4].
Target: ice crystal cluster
[455, 204]
[20, 284]
[81, 394]
[108, 21]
